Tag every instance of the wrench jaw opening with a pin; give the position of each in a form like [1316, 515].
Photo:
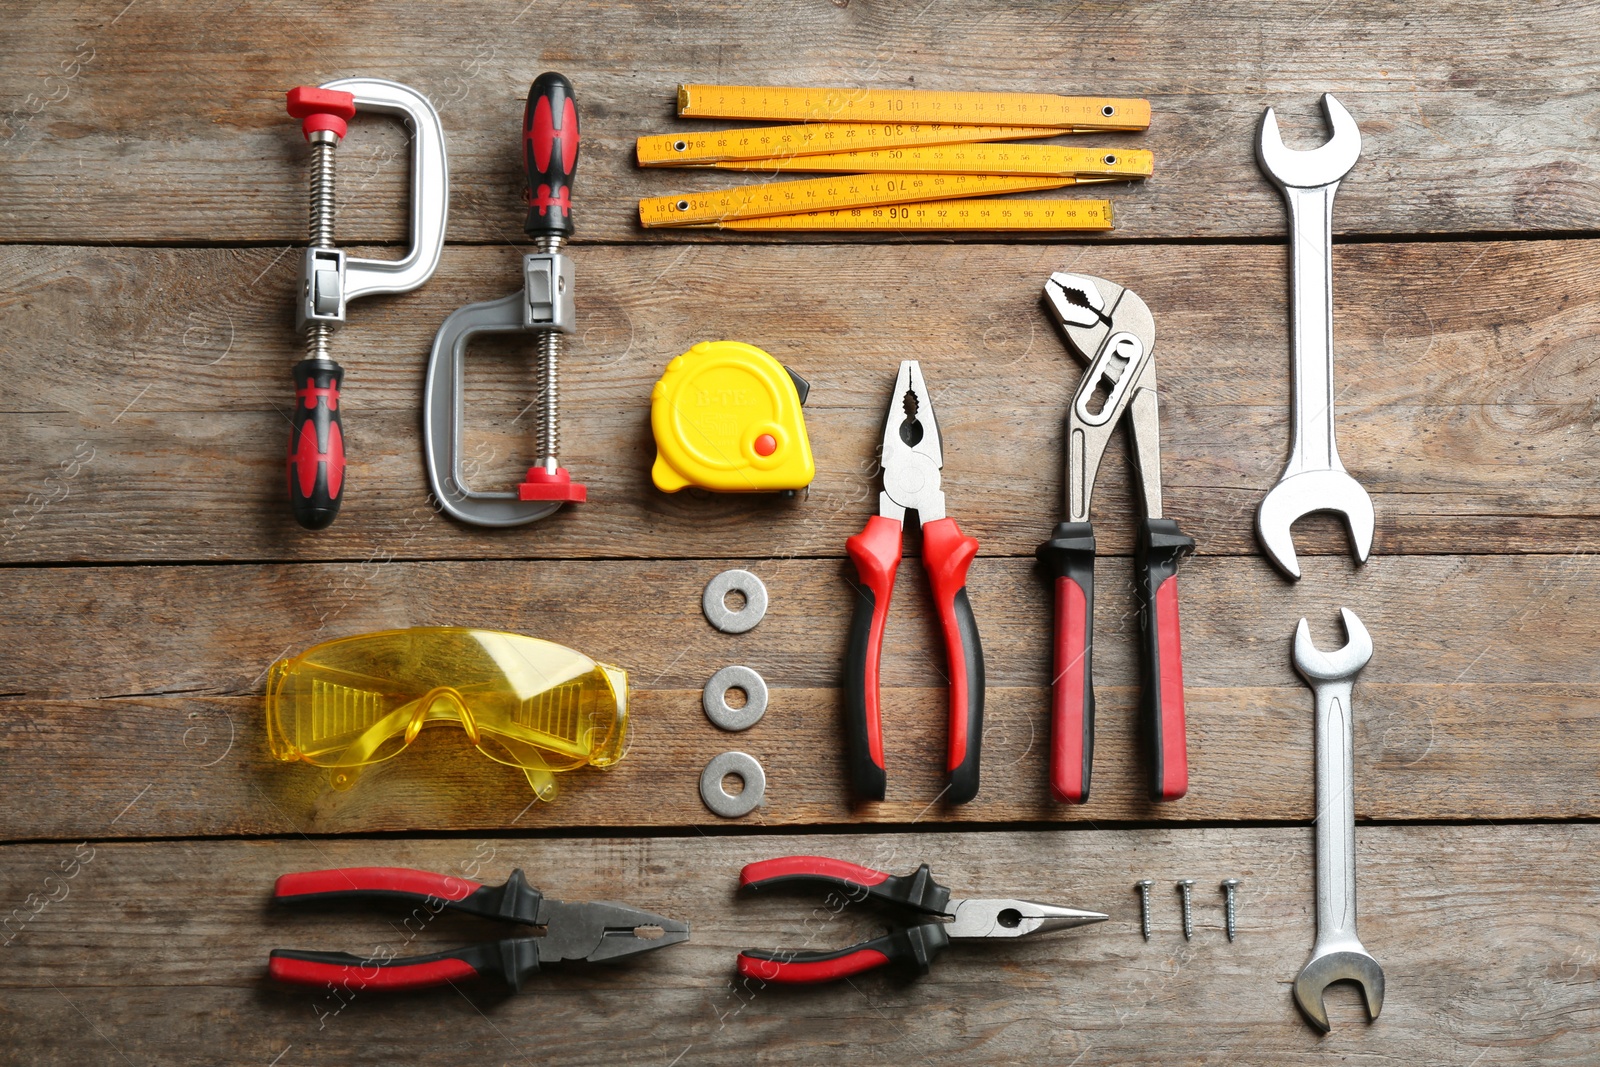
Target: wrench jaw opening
[1326, 165]
[1339, 965]
[1299, 495]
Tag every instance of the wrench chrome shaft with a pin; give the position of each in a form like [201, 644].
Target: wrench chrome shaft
[1337, 954]
[1313, 479]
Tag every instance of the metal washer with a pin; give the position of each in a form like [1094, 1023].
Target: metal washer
[720, 800]
[715, 698]
[714, 602]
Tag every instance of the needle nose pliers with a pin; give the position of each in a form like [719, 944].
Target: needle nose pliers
[940, 919]
[598, 931]
[911, 460]
[1110, 328]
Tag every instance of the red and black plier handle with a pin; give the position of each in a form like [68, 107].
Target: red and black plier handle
[511, 959]
[946, 555]
[914, 945]
[1069, 561]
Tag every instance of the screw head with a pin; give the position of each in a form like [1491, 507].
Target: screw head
[1229, 883]
[1185, 883]
[1144, 883]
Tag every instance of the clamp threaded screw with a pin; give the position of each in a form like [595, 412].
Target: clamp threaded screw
[1143, 887]
[547, 438]
[323, 142]
[1184, 886]
[1228, 887]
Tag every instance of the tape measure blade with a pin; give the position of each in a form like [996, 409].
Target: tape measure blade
[794, 104]
[1106, 164]
[822, 194]
[1011, 216]
[707, 147]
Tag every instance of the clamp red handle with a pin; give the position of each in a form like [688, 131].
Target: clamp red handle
[316, 444]
[1068, 558]
[550, 155]
[946, 555]
[1156, 553]
[876, 553]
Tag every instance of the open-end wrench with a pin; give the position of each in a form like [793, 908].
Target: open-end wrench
[1313, 479]
[1337, 954]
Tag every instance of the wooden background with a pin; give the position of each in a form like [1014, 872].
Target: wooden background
[152, 201]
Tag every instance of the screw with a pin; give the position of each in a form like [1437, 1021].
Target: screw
[1143, 886]
[1184, 885]
[1228, 886]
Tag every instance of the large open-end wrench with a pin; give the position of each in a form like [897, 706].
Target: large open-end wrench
[1337, 954]
[1313, 479]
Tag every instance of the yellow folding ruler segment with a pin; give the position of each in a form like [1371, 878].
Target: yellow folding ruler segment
[822, 194]
[1042, 160]
[1077, 114]
[703, 148]
[1040, 216]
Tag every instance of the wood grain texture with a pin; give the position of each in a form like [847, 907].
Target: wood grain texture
[1499, 970]
[1461, 714]
[144, 418]
[1476, 113]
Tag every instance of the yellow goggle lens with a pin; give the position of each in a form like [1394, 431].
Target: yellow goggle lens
[521, 701]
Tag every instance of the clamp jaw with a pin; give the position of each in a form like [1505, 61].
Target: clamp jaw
[329, 278]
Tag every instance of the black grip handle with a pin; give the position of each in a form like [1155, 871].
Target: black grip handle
[550, 154]
[1068, 559]
[316, 444]
[1156, 553]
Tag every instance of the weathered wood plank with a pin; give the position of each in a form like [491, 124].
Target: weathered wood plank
[1480, 701]
[123, 963]
[160, 378]
[1478, 112]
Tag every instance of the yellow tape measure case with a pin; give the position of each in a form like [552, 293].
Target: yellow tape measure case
[726, 416]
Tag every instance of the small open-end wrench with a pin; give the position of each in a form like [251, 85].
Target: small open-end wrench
[1313, 479]
[1338, 954]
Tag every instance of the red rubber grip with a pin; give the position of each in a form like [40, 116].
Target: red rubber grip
[876, 554]
[1170, 725]
[809, 972]
[1069, 724]
[946, 555]
[375, 879]
[369, 976]
[754, 874]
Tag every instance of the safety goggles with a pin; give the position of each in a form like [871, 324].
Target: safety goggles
[532, 704]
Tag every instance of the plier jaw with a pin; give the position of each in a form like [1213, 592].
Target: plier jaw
[910, 457]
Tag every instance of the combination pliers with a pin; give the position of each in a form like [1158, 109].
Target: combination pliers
[1110, 328]
[940, 919]
[911, 460]
[597, 931]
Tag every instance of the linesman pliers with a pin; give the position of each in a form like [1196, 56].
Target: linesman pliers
[940, 919]
[1110, 328]
[910, 464]
[598, 931]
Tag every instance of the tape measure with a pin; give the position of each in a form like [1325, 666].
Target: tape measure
[1076, 114]
[702, 149]
[1000, 215]
[826, 194]
[726, 416]
[1046, 160]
